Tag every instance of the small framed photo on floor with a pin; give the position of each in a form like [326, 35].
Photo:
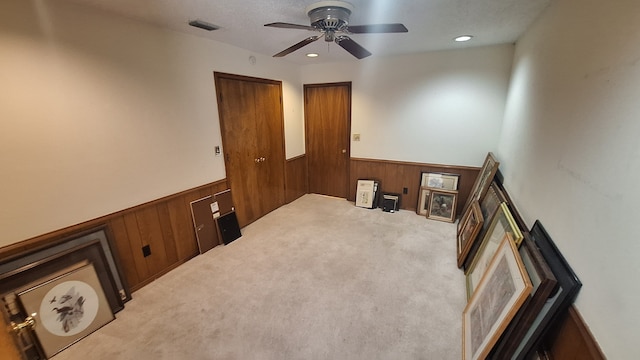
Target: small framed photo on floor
[423, 201]
[442, 205]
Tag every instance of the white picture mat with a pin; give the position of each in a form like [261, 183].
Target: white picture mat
[439, 180]
[365, 193]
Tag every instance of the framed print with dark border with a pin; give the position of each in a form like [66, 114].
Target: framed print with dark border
[67, 307]
[489, 205]
[423, 201]
[501, 224]
[439, 180]
[499, 295]
[104, 258]
[442, 205]
[544, 285]
[484, 179]
[568, 287]
[471, 225]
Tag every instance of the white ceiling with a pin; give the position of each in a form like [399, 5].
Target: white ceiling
[432, 24]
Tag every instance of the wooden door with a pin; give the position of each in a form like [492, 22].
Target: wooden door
[270, 145]
[328, 124]
[251, 123]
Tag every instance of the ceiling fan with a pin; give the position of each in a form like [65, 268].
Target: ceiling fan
[331, 19]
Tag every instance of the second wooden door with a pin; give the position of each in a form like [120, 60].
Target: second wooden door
[328, 124]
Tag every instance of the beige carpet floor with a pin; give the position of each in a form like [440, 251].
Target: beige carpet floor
[315, 279]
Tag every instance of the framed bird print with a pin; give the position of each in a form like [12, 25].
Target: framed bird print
[66, 307]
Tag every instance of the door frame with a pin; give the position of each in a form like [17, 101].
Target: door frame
[348, 135]
[221, 75]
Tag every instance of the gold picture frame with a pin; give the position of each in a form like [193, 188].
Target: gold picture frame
[503, 289]
[66, 307]
[442, 205]
[423, 201]
[438, 180]
[501, 224]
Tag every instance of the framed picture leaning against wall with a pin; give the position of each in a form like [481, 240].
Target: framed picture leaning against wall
[500, 294]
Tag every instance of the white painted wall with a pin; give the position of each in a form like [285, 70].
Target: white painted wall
[439, 107]
[99, 113]
[571, 156]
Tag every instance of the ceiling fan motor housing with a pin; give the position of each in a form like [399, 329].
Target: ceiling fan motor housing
[330, 16]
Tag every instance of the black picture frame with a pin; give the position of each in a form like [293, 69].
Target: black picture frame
[499, 184]
[39, 268]
[568, 287]
[100, 234]
[228, 228]
[545, 285]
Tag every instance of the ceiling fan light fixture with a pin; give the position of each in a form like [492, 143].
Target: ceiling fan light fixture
[463, 38]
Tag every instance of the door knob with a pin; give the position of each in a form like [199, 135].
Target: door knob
[344, 151]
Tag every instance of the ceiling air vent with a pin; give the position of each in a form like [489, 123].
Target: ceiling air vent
[203, 25]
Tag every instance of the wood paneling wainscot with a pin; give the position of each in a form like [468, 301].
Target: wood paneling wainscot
[571, 339]
[394, 176]
[296, 178]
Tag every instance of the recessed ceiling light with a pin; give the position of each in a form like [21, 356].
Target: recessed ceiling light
[463, 38]
[312, 55]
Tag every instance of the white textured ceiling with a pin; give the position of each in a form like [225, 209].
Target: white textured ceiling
[432, 24]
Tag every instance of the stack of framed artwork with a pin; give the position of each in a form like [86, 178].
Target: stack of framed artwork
[518, 283]
[438, 196]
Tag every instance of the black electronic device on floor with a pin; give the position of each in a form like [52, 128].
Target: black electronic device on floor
[390, 202]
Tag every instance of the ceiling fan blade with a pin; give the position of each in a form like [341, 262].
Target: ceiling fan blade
[352, 47]
[377, 28]
[297, 46]
[291, 26]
